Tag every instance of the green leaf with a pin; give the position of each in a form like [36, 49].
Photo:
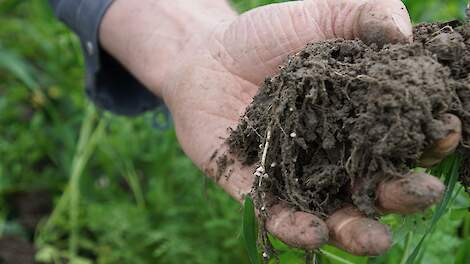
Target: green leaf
[47, 254]
[250, 230]
[335, 255]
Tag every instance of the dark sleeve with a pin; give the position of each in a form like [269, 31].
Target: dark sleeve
[108, 84]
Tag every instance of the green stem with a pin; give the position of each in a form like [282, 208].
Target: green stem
[85, 148]
[70, 200]
[406, 251]
[85, 132]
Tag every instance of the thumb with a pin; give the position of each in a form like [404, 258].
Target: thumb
[254, 45]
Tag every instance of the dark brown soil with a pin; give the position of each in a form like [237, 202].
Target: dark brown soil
[342, 116]
[16, 250]
[29, 208]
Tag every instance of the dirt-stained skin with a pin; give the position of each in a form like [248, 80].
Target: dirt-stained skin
[345, 116]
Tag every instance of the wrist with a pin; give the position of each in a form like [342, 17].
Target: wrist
[148, 38]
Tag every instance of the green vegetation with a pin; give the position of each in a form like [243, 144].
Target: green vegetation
[123, 192]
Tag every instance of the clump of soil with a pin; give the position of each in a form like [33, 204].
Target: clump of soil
[342, 116]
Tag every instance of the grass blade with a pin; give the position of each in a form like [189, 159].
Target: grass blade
[463, 254]
[89, 138]
[451, 171]
[18, 68]
[250, 230]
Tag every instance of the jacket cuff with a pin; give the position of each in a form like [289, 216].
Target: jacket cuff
[108, 84]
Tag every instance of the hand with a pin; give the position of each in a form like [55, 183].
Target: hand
[212, 78]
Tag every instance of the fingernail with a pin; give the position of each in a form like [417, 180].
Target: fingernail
[404, 26]
[414, 193]
[297, 229]
[444, 146]
[357, 234]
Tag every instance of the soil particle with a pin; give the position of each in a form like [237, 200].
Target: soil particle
[223, 165]
[344, 116]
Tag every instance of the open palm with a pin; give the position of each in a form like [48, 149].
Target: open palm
[222, 71]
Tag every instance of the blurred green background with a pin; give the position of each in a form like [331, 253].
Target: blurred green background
[121, 191]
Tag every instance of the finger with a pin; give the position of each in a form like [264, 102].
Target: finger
[357, 234]
[257, 42]
[295, 228]
[413, 193]
[443, 147]
[383, 22]
[372, 21]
